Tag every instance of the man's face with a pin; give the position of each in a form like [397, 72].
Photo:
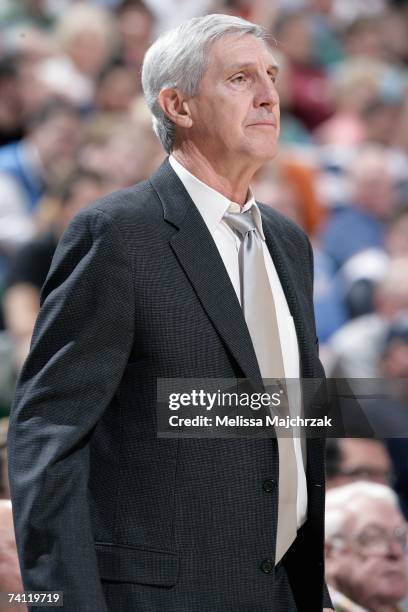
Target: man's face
[364, 459]
[362, 573]
[58, 138]
[373, 187]
[395, 362]
[236, 111]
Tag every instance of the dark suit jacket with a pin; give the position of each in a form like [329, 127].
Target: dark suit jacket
[106, 511]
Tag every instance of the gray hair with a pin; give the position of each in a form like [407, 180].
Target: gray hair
[342, 501]
[179, 58]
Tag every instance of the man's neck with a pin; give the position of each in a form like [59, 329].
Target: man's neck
[232, 183]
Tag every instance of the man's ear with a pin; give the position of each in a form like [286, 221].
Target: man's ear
[175, 107]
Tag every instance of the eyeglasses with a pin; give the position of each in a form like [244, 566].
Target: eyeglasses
[375, 541]
[368, 473]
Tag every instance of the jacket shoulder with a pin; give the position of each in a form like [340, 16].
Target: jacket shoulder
[132, 214]
[127, 203]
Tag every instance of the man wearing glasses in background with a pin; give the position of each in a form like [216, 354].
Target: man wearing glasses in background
[366, 542]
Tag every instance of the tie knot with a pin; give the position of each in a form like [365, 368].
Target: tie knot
[241, 222]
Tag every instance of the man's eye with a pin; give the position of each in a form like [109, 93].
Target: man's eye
[239, 78]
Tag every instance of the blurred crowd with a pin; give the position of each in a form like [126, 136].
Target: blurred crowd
[74, 127]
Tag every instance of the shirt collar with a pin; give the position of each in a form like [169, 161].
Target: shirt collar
[211, 204]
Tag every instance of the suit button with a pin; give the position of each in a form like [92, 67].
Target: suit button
[267, 566]
[269, 485]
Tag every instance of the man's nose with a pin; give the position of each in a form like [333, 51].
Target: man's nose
[396, 549]
[266, 93]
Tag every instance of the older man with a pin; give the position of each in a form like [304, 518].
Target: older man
[366, 541]
[182, 276]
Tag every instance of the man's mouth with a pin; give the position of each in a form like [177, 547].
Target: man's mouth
[264, 123]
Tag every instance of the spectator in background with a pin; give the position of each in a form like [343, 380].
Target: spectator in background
[31, 263]
[382, 119]
[87, 39]
[361, 273]
[358, 278]
[308, 85]
[135, 22]
[293, 132]
[352, 459]
[359, 91]
[395, 33]
[171, 13]
[115, 88]
[361, 224]
[347, 11]
[362, 38]
[263, 12]
[18, 12]
[274, 189]
[289, 187]
[30, 41]
[125, 149]
[28, 166]
[366, 543]
[33, 92]
[356, 347]
[327, 45]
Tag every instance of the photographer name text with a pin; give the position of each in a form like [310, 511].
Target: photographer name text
[239, 421]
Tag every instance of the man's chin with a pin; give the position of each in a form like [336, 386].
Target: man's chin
[263, 151]
[267, 154]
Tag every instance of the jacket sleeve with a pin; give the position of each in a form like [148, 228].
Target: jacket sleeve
[80, 347]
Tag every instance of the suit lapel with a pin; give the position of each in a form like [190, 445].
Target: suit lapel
[198, 255]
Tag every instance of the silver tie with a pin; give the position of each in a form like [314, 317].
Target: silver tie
[260, 315]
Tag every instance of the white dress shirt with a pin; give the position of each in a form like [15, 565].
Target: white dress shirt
[212, 206]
